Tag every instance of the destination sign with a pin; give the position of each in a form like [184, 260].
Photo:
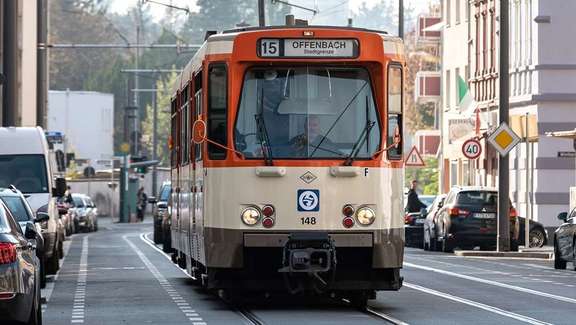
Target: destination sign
[308, 48]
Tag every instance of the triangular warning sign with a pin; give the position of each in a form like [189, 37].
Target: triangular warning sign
[414, 159]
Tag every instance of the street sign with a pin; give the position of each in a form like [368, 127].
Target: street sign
[125, 147]
[503, 139]
[566, 154]
[472, 149]
[414, 159]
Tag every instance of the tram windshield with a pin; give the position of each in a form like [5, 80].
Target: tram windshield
[307, 112]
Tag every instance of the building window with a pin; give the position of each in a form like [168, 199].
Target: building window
[447, 89]
[395, 99]
[457, 91]
[448, 9]
[217, 110]
[457, 5]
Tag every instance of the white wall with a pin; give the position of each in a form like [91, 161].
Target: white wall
[28, 43]
[89, 124]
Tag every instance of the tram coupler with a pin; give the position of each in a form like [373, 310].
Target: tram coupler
[308, 252]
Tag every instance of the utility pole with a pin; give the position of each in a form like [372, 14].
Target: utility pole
[503, 162]
[401, 19]
[10, 92]
[154, 142]
[262, 13]
[42, 64]
[136, 79]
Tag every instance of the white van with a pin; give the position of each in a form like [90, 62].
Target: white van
[25, 163]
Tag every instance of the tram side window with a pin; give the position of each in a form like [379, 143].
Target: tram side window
[395, 110]
[184, 129]
[174, 132]
[198, 110]
[217, 109]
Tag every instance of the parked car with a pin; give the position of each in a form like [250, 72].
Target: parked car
[414, 221]
[19, 271]
[65, 216]
[565, 241]
[160, 208]
[29, 168]
[166, 230]
[21, 211]
[85, 213]
[538, 236]
[468, 219]
[431, 214]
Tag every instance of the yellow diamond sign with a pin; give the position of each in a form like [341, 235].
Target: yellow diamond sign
[503, 139]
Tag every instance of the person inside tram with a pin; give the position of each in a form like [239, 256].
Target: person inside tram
[312, 140]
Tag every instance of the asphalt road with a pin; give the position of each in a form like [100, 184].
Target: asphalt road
[116, 276]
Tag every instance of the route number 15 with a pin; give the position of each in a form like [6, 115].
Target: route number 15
[270, 47]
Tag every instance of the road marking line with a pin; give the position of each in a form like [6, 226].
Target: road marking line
[159, 277]
[494, 283]
[476, 304]
[78, 308]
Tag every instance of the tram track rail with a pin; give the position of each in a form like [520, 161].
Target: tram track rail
[250, 318]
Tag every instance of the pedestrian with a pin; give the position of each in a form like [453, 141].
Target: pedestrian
[141, 205]
[414, 204]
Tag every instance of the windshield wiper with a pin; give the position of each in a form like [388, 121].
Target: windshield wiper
[359, 142]
[339, 117]
[262, 133]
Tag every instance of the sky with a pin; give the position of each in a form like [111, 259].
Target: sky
[121, 6]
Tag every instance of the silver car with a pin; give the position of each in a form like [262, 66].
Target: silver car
[84, 213]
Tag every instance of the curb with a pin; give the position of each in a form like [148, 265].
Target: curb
[536, 255]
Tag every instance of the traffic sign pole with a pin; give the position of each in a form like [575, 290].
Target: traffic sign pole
[503, 239]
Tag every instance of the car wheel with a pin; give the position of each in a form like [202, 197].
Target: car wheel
[537, 238]
[559, 263]
[61, 249]
[53, 266]
[42, 272]
[426, 240]
[447, 247]
[36, 310]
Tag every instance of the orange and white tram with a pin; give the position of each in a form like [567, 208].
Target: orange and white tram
[287, 162]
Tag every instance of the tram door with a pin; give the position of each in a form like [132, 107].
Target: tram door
[196, 187]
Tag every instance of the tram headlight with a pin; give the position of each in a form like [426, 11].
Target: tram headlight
[365, 216]
[251, 216]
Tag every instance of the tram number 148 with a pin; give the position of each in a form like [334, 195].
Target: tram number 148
[308, 220]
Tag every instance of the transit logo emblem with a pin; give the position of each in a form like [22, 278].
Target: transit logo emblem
[308, 200]
[308, 177]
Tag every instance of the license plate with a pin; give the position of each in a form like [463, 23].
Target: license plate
[419, 221]
[485, 215]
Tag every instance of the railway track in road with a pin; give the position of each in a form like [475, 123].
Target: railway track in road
[250, 318]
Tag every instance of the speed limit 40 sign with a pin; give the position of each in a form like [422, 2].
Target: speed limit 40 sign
[472, 149]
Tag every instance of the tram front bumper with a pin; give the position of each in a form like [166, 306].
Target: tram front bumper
[226, 248]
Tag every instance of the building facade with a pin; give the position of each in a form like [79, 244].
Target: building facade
[542, 99]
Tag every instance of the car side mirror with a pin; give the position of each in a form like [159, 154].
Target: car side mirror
[563, 216]
[59, 187]
[152, 200]
[41, 217]
[30, 232]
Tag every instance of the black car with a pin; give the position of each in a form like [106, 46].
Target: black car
[22, 212]
[468, 219]
[565, 241]
[19, 271]
[538, 236]
[160, 211]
